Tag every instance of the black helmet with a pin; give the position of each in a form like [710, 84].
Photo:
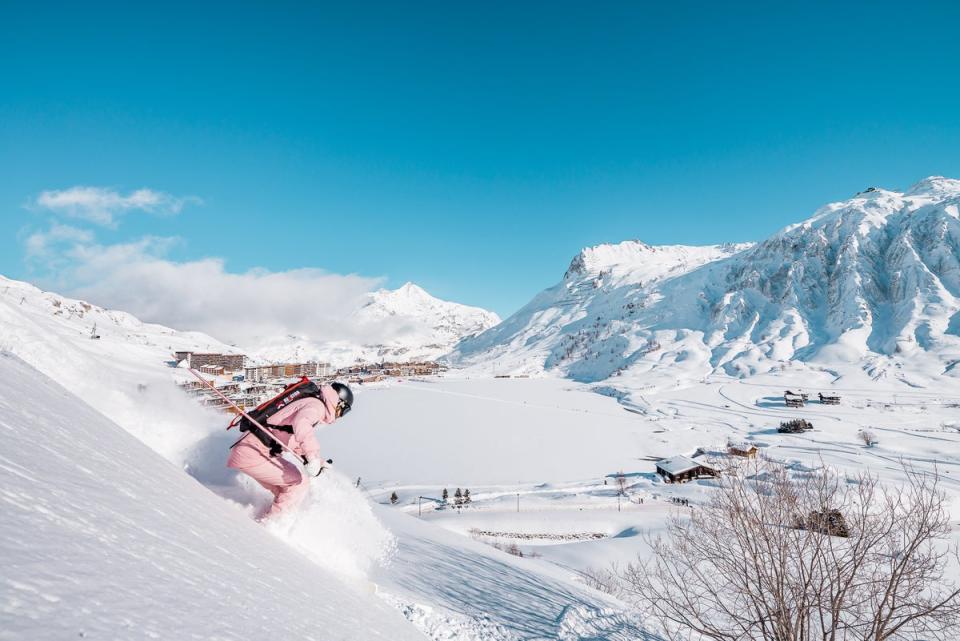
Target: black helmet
[346, 398]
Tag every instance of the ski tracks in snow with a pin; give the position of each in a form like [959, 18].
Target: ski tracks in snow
[575, 623]
[475, 592]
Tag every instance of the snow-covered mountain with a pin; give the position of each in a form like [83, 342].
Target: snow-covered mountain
[25, 308]
[410, 325]
[874, 280]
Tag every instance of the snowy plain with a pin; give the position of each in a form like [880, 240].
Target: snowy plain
[575, 494]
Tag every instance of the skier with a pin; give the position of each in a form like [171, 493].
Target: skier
[293, 425]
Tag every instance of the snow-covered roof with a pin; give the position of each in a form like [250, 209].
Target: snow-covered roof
[678, 464]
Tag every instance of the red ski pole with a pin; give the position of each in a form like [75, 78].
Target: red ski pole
[244, 414]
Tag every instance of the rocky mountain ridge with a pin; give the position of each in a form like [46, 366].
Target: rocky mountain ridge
[872, 280]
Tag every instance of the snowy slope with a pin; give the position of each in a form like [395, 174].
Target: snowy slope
[124, 374]
[335, 530]
[409, 324]
[104, 539]
[453, 588]
[872, 280]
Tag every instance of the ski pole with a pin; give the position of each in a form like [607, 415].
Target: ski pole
[244, 414]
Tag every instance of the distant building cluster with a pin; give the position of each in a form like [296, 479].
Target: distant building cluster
[244, 395]
[371, 372]
[224, 364]
[251, 385]
[287, 370]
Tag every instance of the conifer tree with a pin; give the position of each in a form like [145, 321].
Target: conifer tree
[394, 498]
[458, 498]
[466, 497]
[444, 498]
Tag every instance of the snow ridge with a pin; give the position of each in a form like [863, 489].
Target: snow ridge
[873, 280]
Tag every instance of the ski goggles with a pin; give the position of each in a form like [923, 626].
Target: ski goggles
[342, 409]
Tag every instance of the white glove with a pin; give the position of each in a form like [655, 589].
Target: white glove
[314, 467]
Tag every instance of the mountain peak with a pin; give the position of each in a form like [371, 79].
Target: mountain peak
[639, 261]
[411, 290]
[871, 208]
[408, 323]
[935, 186]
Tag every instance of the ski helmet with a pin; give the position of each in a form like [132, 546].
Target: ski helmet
[346, 397]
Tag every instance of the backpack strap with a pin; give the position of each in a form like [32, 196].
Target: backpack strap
[270, 443]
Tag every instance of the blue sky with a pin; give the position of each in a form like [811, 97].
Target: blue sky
[473, 148]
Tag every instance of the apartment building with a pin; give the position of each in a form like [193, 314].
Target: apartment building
[197, 360]
[287, 370]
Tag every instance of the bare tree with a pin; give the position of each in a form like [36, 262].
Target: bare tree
[782, 559]
[605, 580]
[621, 479]
[868, 437]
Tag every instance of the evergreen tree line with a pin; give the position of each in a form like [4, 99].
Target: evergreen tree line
[461, 498]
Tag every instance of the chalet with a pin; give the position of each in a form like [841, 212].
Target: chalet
[746, 450]
[678, 469]
[829, 400]
[794, 400]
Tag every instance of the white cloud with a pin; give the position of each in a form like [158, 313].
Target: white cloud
[102, 205]
[39, 244]
[242, 308]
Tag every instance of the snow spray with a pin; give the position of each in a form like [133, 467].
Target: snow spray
[336, 528]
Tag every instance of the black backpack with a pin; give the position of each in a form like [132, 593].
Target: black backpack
[304, 388]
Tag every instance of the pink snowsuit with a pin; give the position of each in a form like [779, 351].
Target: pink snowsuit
[279, 476]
